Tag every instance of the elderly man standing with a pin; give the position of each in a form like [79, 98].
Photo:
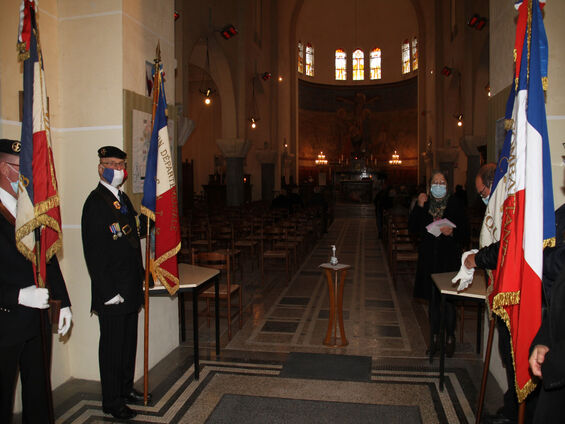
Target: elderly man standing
[21, 302]
[487, 258]
[110, 238]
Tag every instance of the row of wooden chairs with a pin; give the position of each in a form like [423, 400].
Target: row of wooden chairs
[401, 246]
[218, 242]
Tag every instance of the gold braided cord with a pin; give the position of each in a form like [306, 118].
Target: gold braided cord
[148, 213]
[162, 274]
[46, 205]
[167, 255]
[29, 227]
[499, 302]
[544, 83]
[550, 242]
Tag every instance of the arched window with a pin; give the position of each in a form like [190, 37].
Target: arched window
[300, 57]
[414, 53]
[405, 57]
[309, 60]
[358, 65]
[375, 63]
[340, 64]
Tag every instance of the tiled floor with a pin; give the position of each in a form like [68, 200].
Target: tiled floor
[381, 321]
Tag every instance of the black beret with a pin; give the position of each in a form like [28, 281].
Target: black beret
[111, 152]
[11, 147]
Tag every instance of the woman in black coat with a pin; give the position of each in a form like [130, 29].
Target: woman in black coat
[438, 254]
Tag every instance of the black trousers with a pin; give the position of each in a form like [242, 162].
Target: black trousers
[434, 313]
[27, 359]
[116, 356]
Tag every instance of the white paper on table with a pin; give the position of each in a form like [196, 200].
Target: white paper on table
[434, 227]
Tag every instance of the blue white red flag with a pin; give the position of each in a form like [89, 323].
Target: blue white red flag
[160, 201]
[523, 194]
[38, 198]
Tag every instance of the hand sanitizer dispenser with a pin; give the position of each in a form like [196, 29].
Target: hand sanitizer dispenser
[333, 259]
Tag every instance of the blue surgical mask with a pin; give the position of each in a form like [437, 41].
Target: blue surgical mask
[485, 200]
[438, 190]
[15, 186]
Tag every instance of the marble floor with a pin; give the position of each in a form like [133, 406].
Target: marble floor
[381, 320]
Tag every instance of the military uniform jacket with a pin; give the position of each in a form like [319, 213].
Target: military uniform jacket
[113, 260]
[19, 323]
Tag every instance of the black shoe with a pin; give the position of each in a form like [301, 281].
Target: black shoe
[137, 397]
[497, 419]
[450, 346]
[122, 412]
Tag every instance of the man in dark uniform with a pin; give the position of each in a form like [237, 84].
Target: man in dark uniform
[20, 306]
[110, 239]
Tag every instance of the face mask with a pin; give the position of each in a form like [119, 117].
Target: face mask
[485, 200]
[438, 190]
[115, 177]
[15, 185]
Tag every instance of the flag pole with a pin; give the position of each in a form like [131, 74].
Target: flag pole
[44, 319]
[156, 87]
[486, 366]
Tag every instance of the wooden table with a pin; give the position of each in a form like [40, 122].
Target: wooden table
[194, 279]
[476, 291]
[335, 289]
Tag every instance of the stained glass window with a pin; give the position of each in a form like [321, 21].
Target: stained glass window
[414, 53]
[358, 65]
[405, 57]
[375, 63]
[340, 65]
[300, 57]
[309, 60]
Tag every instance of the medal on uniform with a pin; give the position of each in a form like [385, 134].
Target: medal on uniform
[116, 230]
[117, 205]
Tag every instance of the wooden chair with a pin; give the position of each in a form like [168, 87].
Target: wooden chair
[239, 241]
[402, 250]
[227, 289]
[201, 238]
[274, 254]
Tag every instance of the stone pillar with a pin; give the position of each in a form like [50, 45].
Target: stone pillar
[267, 159]
[234, 150]
[469, 144]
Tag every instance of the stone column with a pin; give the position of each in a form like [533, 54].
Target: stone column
[234, 150]
[469, 144]
[267, 159]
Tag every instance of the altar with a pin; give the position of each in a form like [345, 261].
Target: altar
[360, 191]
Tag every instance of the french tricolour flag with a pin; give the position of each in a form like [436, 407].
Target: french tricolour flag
[160, 202]
[523, 196]
[38, 198]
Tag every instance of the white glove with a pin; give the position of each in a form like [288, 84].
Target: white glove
[65, 318]
[117, 299]
[34, 297]
[465, 275]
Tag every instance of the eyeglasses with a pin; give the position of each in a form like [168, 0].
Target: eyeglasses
[482, 192]
[440, 182]
[114, 165]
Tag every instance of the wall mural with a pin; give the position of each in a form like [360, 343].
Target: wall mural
[358, 122]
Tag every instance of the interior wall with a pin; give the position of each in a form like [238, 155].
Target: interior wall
[85, 97]
[370, 122]
[362, 24]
